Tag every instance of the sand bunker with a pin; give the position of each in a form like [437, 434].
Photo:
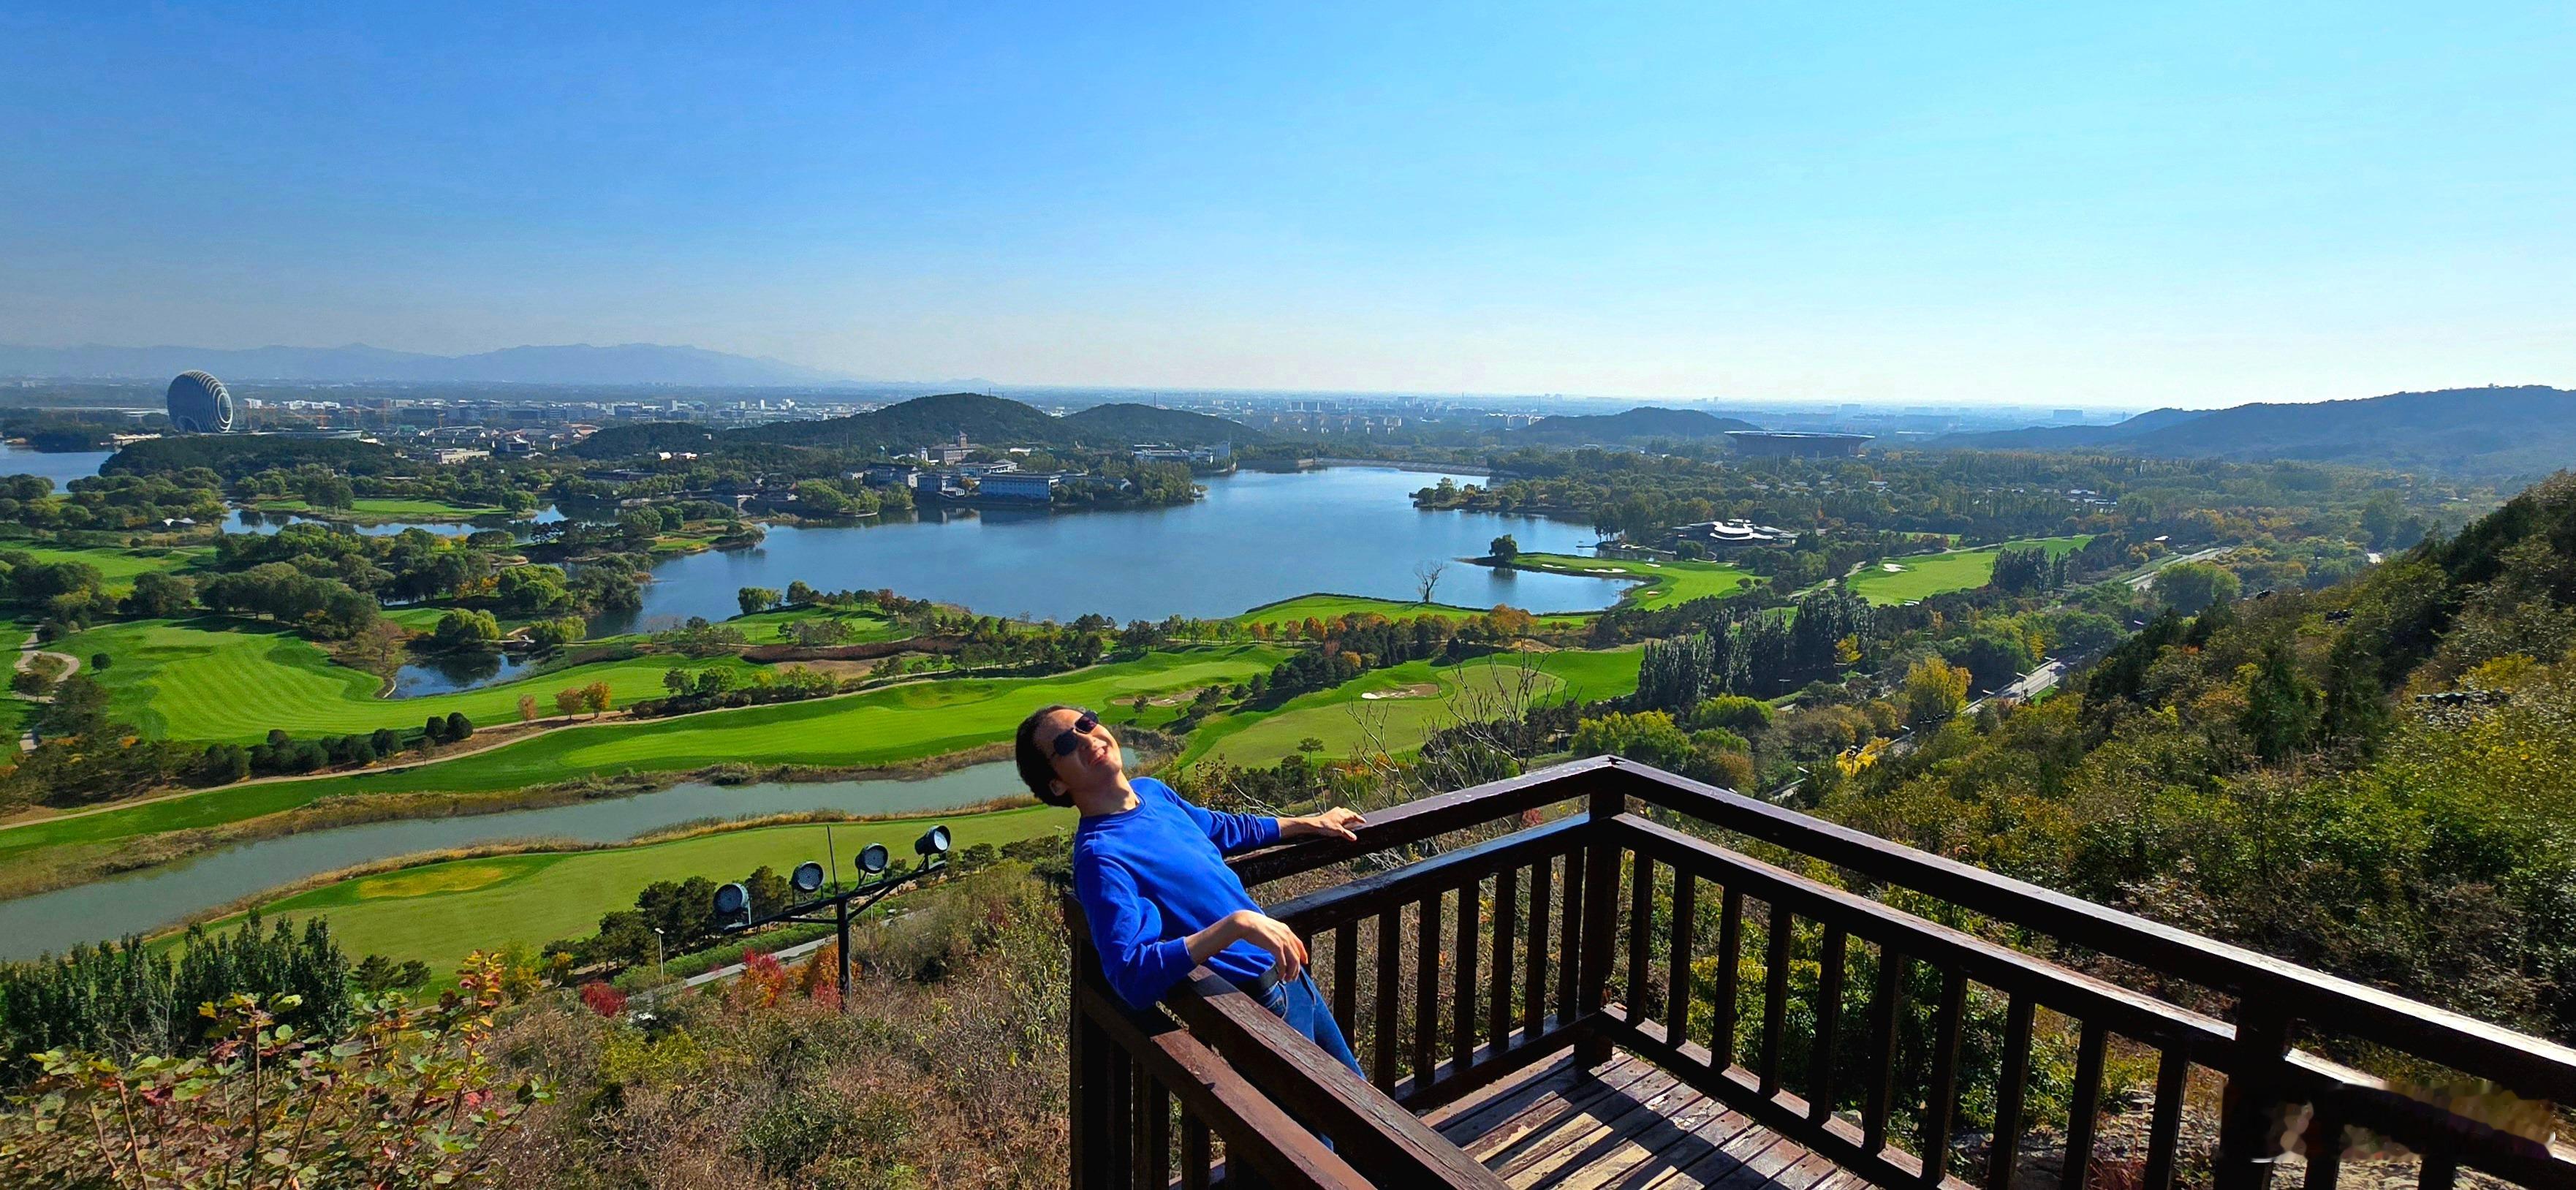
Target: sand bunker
[1891, 568]
[1418, 690]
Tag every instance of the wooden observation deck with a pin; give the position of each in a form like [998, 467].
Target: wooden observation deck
[1603, 975]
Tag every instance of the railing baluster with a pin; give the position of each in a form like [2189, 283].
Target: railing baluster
[1641, 922]
[1534, 962]
[1941, 1097]
[1886, 1001]
[1195, 1154]
[1677, 957]
[1507, 891]
[1122, 1113]
[2325, 1152]
[1780, 925]
[1828, 1014]
[2164, 1131]
[1426, 989]
[1346, 977]
[2441, 1171]
[1087, 1095]
[2083, 1110]
[1390, 959]
[1154, 1166]
[2010, 1086]
[1730, 951]
[1462, 976]
[1571, 940]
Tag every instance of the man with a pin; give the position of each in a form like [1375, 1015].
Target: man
[1150, 872]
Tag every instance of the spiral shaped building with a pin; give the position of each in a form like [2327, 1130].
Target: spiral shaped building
[199, 405]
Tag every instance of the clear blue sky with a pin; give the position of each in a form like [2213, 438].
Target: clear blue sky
[2049, 203]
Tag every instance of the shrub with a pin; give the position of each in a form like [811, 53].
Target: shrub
[602, 999]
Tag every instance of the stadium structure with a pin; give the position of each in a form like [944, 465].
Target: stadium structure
[1783, 443]
[199, 405]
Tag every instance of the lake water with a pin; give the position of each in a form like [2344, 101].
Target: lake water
[1257, 537]
[62, 468]
[157, 897]
[447, 673]
[241, 520]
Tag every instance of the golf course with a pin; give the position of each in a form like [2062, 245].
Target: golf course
[1405, 703]
[1325, 607]
[1658, 584]
[119, 566]
[1904, 580]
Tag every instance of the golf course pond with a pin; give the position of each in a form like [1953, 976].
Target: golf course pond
[1257, 537]
[166, 895]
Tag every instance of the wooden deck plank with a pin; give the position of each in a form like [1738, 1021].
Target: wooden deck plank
[1625, 1125]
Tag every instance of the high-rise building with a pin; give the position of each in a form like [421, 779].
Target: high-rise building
[199, 405]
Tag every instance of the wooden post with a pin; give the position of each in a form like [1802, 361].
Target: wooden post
[1600, 920]
[2249, 1123]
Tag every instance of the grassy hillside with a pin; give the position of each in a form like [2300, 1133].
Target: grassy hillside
[119, 566]
[1926, 575]
[1405, 703]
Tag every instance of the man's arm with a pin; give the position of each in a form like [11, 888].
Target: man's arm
[1127, 930]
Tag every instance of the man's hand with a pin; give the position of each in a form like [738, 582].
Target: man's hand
[1244, 925]
[1334, 823]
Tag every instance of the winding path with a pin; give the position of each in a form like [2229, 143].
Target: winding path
[27, 654]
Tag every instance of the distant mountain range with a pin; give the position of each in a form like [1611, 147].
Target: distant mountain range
[1642, 424]
[926, 421]
[578, 363]
[2528, 430]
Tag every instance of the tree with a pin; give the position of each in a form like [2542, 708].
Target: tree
[159, 596]
[1934, 690]
[2280, 707]
[458, 726]
[1426, 577]
[1503, 549]
[801, 593]
[568, 701]
[755, 599]
[527, 708]
[597, 696]
[2189, 587]
[556, 633]
[465, 628]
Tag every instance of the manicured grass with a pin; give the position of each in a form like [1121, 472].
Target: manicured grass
[1926, 575]
[1429, 697]
[770, 627]
[1327, 607]
[441, 912]
[119, 565]
[1663, 584]
[219, 680]
[386, 508]
[885, 726]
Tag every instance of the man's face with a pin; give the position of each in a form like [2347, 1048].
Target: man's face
[1083, 759]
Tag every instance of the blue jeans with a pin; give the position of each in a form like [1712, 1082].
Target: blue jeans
[1298, 1003]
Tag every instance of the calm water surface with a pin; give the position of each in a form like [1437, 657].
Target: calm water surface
[1256, 538]
[158, 897]
[61, 468]
[447, 673]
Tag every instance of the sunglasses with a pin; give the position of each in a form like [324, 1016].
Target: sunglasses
[1068, 740]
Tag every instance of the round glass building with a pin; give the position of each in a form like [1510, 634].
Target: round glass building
[199, 405]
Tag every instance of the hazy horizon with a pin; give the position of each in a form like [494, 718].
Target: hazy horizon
[2195, 206]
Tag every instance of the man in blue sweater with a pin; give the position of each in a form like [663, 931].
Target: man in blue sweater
[1150, 872]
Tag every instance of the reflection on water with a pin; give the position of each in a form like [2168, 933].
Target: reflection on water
[252, 520]
[1255, 538]
[159, 897]
[447, 673]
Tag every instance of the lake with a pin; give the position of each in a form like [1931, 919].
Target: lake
[62, 467]
[153, 898]
[1257, 537]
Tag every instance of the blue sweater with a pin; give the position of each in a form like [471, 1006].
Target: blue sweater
[1152, 876]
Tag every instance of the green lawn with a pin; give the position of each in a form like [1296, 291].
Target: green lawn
[119, 565]
[382, 508]
[1926, 575]
[885, 726]
[1425, 697]
[439, 913]
[215, 680]
[1326, 607]
[770, 627]
[1657, 584]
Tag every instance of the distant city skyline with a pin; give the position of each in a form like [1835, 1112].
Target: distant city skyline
[2045, 206]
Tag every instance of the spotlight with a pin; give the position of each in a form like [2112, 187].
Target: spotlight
[808, 878]
[932, 842]
[733, 906]
[873, 860]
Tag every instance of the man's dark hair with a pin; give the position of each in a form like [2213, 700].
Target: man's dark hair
[1037, 768]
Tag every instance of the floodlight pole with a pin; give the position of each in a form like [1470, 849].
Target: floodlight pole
[842, 913]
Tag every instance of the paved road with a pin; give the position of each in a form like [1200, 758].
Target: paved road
[27, 654]
[2141, 582]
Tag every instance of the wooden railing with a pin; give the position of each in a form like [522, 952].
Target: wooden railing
[1603, 903]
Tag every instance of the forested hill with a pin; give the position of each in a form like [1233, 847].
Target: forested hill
[2378, 779]
[923, 421]
[2525, 431]
[1642, 424]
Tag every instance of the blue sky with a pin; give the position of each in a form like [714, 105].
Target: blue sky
[2045, 203]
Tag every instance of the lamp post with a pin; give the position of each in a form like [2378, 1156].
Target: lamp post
[733, 901]
[661, 973]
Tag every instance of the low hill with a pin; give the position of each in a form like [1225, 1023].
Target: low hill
[2529, 430]
[1642, 424]
[577, 363]
[914, 423]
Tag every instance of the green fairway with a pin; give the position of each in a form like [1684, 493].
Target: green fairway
[1328, 607]
[769, 628]
[383, 508]
[229, 681]
[438, 913]
[1926, 575]
[1658, 584]
[119, 566]
[887, 726]
[1405, 703]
